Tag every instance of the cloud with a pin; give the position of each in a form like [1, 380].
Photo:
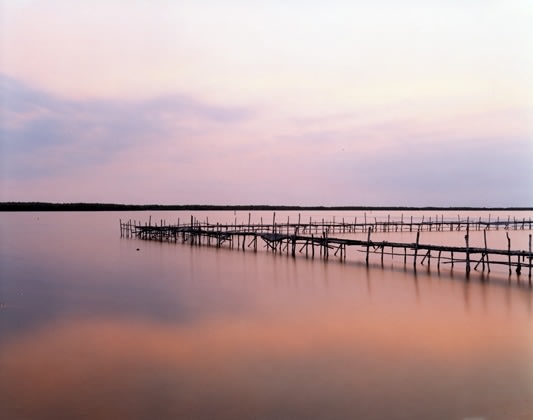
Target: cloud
[176, 148]
[479, 172]
[44, 135]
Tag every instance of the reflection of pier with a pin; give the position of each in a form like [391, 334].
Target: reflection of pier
[313, 239]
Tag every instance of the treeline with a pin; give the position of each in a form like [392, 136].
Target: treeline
[43, 206]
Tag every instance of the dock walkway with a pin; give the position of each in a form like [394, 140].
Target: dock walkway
[313, 239]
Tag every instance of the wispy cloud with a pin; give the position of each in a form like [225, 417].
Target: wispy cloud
[42, 134]
[178, 148]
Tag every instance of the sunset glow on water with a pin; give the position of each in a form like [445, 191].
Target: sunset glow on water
[91, 327]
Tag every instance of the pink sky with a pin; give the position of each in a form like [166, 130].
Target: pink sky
[304, 103]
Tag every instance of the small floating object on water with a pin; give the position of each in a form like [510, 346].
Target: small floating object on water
[138, 249]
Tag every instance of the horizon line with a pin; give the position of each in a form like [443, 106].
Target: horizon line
[97, 206]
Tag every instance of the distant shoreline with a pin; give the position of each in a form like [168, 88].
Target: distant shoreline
[44, 206]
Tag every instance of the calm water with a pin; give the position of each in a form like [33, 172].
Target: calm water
[92, 328]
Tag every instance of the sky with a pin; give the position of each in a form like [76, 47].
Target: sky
[280, 102]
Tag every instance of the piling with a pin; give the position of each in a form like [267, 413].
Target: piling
[529, 273]
[368, 244]
[416, 248]
[467, 248]
[509, 250]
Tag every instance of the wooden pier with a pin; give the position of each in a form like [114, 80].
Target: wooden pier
[313, 239]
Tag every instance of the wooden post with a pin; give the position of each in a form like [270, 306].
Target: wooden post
[368, 244]
[486, 253]
[467, 248]
[509, 251]
[529, 274]
[326, 248]
[293, 252]
[416, 248]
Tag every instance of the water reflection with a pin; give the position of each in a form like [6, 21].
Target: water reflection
[100, 330]
[318, 364]
[417, 290]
